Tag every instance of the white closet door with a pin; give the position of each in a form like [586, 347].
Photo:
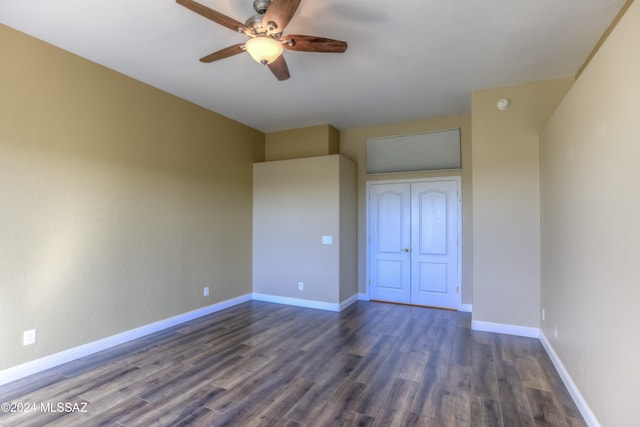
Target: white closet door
[413, 243]
[434, 254]
[390, 239]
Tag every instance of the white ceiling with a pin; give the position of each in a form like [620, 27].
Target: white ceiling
[407, 59]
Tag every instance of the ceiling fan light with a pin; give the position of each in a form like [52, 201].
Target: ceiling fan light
[264, 50]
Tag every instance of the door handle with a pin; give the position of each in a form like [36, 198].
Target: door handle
[405, 250]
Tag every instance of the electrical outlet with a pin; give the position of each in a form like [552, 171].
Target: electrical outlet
[29, 337]
[543, 314]
[206, 291]
[301, 286]
[556, 332]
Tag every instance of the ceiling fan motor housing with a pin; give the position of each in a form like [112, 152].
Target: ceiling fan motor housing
[261, 6]
[256, 21]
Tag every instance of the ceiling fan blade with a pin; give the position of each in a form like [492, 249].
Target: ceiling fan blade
[215, 16]
[224, 53]
[279, 13]
[279, 68]
[313, 44]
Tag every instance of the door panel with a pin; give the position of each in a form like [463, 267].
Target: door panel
[432, 222]
[434, 261]
[390, 274]
[391, 221]
[432, 278]
[390, 265]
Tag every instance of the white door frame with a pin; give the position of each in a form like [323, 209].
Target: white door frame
[458, 181]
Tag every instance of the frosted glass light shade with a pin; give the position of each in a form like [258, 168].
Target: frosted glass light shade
[265, 50]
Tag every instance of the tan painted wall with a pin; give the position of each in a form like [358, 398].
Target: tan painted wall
[119, 202]
[352, 145]
[348, 228]
[506, 206]
[296, 202]
[311, 141]
[591, 226]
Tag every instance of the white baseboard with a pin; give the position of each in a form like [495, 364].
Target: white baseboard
[57, 359]
[298, 302]
[582, 405]
[363, 297]
[500, 328]
[466, 308]
[346, 303]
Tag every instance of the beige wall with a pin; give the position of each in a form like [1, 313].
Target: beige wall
[352, 145]
[506, 219]
[311, 141]
[296, 202]
[348, 229]
[591, 225]
[119, 202]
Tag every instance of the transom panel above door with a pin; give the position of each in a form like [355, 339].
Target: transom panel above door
[413, 242]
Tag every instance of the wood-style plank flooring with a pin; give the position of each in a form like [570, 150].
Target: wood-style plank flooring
[262, 364]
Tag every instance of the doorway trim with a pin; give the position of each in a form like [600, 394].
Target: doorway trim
[368, 254]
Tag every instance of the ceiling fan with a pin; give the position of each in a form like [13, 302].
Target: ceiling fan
[266, 42]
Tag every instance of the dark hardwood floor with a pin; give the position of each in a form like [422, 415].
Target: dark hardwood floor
[262, 364]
